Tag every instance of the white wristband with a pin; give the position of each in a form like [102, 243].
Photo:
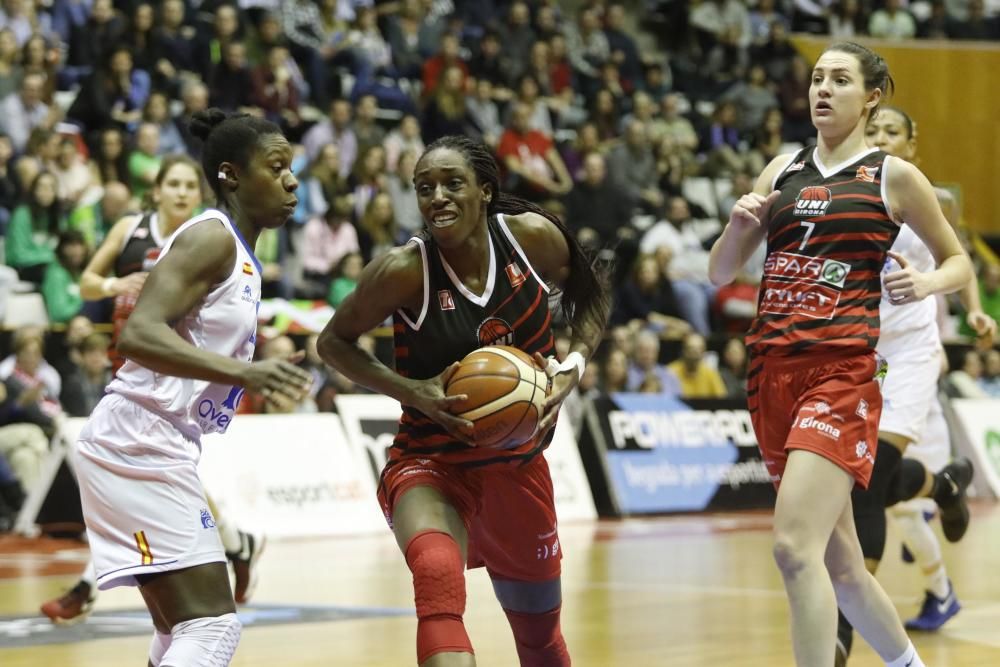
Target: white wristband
[106, 285]
[573, 360]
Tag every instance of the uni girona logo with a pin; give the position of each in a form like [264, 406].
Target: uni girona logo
[813, 200]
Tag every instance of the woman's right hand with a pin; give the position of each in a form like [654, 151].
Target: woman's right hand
[130, 285]
[753, 209]
[429, 398]
[275, 379]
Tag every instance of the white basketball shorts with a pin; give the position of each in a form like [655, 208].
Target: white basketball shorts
[934, 447]
[910, 384]
[143, 501]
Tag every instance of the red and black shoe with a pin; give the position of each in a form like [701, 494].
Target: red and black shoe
[72, 607]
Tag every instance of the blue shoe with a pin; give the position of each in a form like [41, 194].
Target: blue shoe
[935, 612]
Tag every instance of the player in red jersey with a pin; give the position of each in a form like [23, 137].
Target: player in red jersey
[479, 274]
[830, 214]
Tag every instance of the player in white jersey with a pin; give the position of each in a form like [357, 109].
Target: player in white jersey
[118, 269]
[189, 345]
[909, 340]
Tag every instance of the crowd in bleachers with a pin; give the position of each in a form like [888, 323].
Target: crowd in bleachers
[638, 122]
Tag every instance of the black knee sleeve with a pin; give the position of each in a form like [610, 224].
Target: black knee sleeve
[869, 504]
[909, 481]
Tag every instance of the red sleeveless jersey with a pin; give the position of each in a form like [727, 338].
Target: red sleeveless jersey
[514, 310]
[827, 239]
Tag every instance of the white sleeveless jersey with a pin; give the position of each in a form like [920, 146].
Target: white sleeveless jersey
[225, 322]
[896, 320]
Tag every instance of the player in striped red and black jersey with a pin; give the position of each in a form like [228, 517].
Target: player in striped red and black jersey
[513, 309]
[829, 214]
[478, 275]
[827, 238]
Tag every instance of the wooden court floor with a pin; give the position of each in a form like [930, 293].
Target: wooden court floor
[693, 591]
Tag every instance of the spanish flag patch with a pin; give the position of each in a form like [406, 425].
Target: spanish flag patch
[248, 268]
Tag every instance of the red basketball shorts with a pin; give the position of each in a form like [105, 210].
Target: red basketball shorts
[508, 510]
[828, 404]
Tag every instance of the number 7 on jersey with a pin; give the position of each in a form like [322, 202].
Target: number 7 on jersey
[810, 226]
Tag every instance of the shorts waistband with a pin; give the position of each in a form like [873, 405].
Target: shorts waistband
[808, 359]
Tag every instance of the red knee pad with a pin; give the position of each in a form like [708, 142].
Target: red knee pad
[435, 560]
[539, 640]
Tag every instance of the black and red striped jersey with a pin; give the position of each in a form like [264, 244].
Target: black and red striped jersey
[138, 253]
[827, 240]
[512, 310]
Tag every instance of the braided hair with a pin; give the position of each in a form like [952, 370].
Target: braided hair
[584, 297]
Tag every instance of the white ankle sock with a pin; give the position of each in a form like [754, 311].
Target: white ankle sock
[89, 576]
[937, 582]
[908, 659]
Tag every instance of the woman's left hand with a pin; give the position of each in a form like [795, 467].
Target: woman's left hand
[984, 326]
[562, 384]
[907, 285]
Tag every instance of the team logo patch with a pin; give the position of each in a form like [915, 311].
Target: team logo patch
[445, 299]
[862, 451]
[824, 409]
[866, 174]
[798, 166]
[834, 272]
[813, 200]
[248, 268]
[815, 301]
[494, 331]
[206, 519]
[514, 274]
[862, 410]
[789, 266]
[822, 427]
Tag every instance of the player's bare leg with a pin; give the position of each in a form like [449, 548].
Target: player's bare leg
[803, 523]
[860, 596]
[817, 551]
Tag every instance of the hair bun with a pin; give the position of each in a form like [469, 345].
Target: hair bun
[203, 122]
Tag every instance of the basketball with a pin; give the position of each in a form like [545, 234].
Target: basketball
[506, 392]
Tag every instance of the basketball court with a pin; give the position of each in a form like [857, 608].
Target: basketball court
[686, 591]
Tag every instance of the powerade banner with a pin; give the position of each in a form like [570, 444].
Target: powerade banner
[667, 455]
